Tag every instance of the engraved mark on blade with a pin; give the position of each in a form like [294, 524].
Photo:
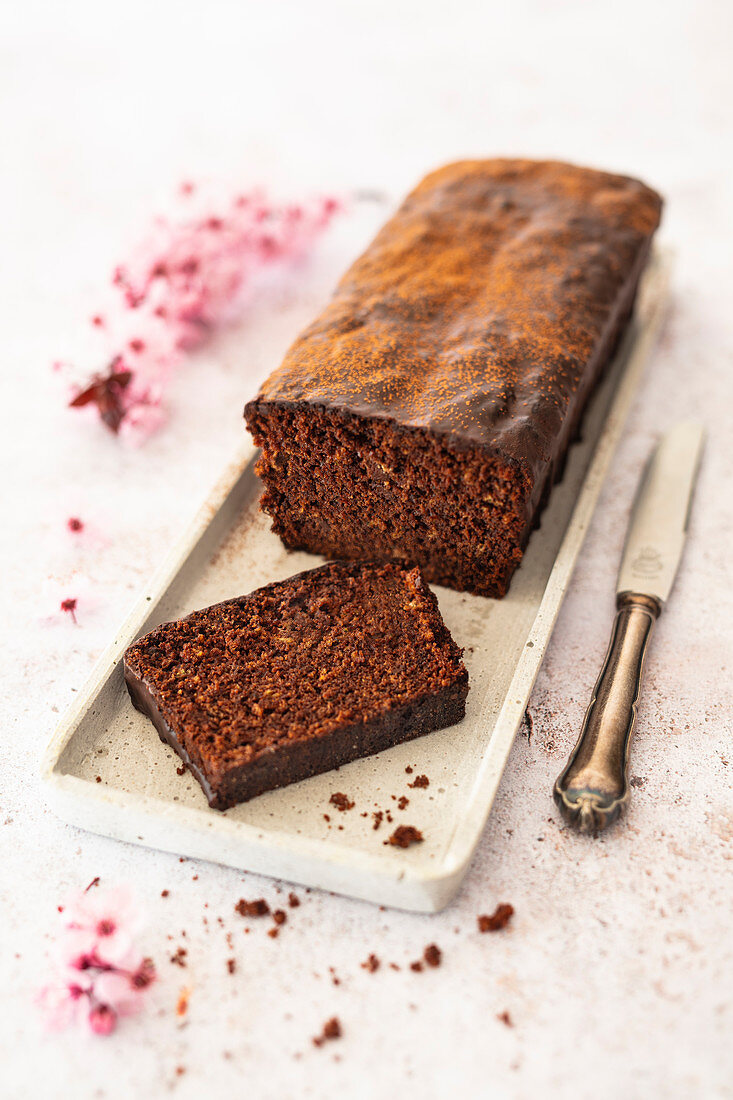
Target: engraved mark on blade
[647, 563]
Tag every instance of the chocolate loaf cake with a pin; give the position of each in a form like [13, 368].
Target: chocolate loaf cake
[299, 677]
[425, 415]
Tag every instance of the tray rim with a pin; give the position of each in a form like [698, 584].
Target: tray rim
[386, 878]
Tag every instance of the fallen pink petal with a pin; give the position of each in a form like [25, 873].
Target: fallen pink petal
[102, 1019]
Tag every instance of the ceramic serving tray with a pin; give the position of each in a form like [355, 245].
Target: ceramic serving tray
[106, 769]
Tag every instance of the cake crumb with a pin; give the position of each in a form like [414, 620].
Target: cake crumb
[371, 964]
[97, 779]
[419, 781]
[231, 965]
[409, 770]
[505, 1018]
[416, 966]
[499, 919]
[331, 1030]
[181, 770]
[293, 900]
[164, 893]
[279, 916]
[179, 957]
[258, 908]
[273, 933]
[403, 802]
[433, 955]
[404, 836]
[341, 801]
[377, 817]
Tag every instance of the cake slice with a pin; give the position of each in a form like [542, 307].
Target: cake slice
[426, 414]
[299, 677]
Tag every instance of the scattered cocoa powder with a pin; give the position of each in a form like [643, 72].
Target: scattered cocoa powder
[404, 836]
[279, 916]
[293, 900]
[258, 908]
[499, 919]
[416, 966]
[164, 893]
[231, 965]
[331, 1030]
[403, 802]
[273, 933]
[505, 1018]
[419, 781]
[377, 817]
[372, 964]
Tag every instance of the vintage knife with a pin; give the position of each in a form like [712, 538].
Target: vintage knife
[593, 789]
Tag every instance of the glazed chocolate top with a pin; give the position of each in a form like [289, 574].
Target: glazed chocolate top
[480, 306]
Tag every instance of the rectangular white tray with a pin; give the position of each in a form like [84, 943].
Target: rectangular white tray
[230, 551]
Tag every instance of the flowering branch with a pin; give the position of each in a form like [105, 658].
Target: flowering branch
[100, 975]
[190, 277]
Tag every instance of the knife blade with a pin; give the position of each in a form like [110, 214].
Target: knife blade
[593, 788]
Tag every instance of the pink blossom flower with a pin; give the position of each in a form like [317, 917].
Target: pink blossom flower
[64, 1002]
[187, 278]
[103, 923]
[100, 974]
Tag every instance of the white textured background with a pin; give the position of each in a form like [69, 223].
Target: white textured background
[617, 967]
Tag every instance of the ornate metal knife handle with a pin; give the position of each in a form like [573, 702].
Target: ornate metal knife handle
[593, 789]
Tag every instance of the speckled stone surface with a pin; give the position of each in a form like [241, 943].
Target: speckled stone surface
[616, 968]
